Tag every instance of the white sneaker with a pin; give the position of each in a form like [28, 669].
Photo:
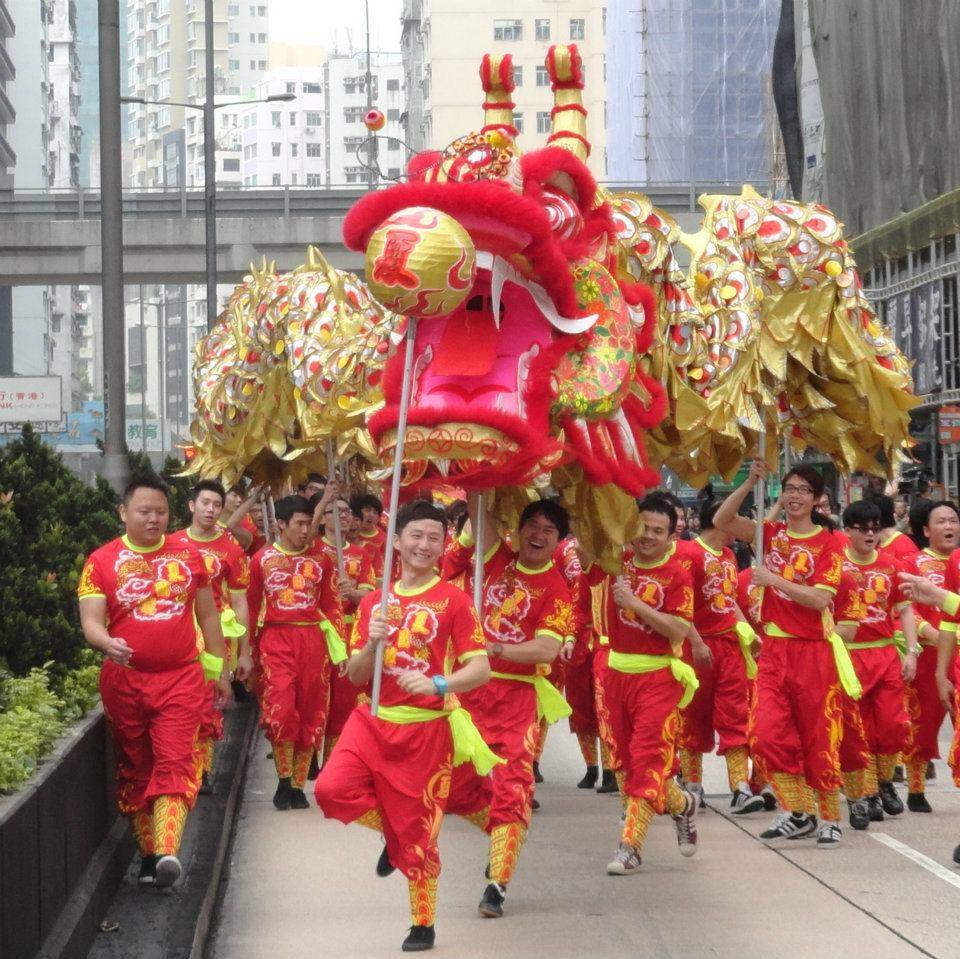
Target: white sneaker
[789, 826]
[686, 824]
[744, 802]
[168, 871]
[626, 862]
[696, 789]
[829, 835]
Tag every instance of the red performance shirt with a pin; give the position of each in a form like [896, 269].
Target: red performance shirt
[714, 577]
[356, 564]
[811, 559]
[258, 540]
[227, 563]
[847, 605]
[934, 566]
[899, 544]
[427, 627]
[952, 583]
[880, 594]
[665, 586]
[294, 588]
[150, 597]
[519, 603]
[749, 597]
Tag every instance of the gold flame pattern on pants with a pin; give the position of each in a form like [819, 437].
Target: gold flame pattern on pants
[828, 805]
[588, 747]
[737, 767]
[917, 776]
[886, 764]
[691, 766]
[283, 759]
[142, 823]
[638, 814]
[676, 801]
[371, 819]
[423, 901]
[169, 818]
[301, 766]
[505, 844]
[854, 784]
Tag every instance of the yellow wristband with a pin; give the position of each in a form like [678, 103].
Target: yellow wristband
[951, 604]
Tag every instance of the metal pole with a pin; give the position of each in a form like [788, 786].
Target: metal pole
[394, 504]
[479, 535]
[162, 372]
[115, 467]
[372, 142]
[143, 377]
[760, 499]
[210, 170]
[337, 532]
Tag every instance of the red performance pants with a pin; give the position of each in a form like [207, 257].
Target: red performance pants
[155, 718]
[924, 708]
[721, 703]
[883, 708]
[505, 713]
[403, 771]
[343, 700]
[579, 691]
[797, 722]
[295, 685]
[644, 722]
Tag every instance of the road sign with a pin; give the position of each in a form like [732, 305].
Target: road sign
[949, 424]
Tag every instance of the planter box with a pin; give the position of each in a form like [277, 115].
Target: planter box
[63, 848]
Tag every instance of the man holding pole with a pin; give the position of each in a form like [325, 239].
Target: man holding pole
[391, 772]
[139, 595]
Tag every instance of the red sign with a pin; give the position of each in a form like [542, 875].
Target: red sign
[949, 424]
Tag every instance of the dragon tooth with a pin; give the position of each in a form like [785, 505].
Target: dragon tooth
[443, 465]
[500, 274]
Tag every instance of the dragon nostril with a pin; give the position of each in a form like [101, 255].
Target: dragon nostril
[475, 303]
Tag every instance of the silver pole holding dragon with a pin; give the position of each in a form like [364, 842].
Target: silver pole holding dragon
[479, 535]
[337, 531]
[394, 504]
[760, 498]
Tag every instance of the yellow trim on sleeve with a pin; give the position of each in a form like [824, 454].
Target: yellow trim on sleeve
[832, 590]
[551, 634]
[91, 596]
[472, 654]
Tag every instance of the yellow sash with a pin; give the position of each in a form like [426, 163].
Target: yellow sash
[634, 663]
[551, 705]
[746, 637]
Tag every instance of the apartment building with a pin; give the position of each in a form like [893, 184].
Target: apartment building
[443, 42]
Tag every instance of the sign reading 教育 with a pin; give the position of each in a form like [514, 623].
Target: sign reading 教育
[30, 399]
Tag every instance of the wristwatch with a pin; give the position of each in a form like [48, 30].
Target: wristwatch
[497, 649]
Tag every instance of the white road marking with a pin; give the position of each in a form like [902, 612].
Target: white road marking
[931, 865]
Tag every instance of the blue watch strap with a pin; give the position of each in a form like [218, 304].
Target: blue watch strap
[440, 684]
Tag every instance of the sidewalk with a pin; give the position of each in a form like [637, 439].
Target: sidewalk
[301, 887]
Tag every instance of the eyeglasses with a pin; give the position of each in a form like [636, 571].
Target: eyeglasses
[869, 528]
[802, 490]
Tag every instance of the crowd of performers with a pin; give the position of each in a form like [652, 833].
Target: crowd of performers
[816, 675]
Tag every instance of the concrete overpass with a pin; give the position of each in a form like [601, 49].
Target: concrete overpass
[54, 237]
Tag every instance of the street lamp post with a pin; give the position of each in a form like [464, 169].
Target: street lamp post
[210, 161]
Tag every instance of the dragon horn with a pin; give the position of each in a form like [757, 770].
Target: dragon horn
[565, 69]
[496, 77]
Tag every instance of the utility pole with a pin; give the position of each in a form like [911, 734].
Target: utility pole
[111, 246]
[210, 169]
[372, 142]
[143, 378]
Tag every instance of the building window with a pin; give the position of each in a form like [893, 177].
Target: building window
[543, 121]
[233, 38]
[312, 88]
[293, 118]
[393, 144]
[261, 38]
[293, 149]
[314, 149]
[393, 85]
[275, 149]
[293, 179]
[275, 179]
[314, 119]
[253, 38]
[393, 116]
[234, 64]
[504, 30]
[314, 179]
[353, 114]
[543, 29]
[518, 122]
[518, 76]
[577, 29]
[253, 64]
[262, 64]
[231, 164]
[233, 10]
[543, 78]
[291, 88]
[275, 118]
[393, 173]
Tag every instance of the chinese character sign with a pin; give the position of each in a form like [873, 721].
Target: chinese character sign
[30, 399]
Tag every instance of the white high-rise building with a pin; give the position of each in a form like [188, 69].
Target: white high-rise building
[345, 81]
[443, 42]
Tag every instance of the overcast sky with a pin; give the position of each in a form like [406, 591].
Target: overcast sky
[336, 22]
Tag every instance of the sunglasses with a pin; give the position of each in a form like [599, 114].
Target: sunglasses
[865, 529]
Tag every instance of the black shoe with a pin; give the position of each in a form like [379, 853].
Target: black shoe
[384, 866]
[769, 799]
[917, 802]
[491, 905]
[956, 855]
[486, 872]
[148, 871]
[898, 774]
[891, 802]
[859, 814]
[608, 782]
[875, 808]
[205, 788]
[283, 797]
[419, 939]
[314, 768]
[534, 805]
[590, 778]
[537, 778]
[298, 799]
[931, 772]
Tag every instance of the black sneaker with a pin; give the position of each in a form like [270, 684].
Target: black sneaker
[608, 782]
[789, 825]
[534, 805]
[956, 855]
[917, 802]
[590, 778]
[537, 778]
[167, 873]
[283, 797]
[419, 939]
[298, 799]
[891, 802]
[148, 871]
[769, 799]
[829, 835]
[491, 905]
[859, 814]
[384, 866]
[314, 770]
[875, 808]
[744, 803]
[205, 788]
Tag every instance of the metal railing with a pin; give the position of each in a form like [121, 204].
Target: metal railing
[277, 201]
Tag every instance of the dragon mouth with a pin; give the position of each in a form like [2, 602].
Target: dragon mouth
[481, 388]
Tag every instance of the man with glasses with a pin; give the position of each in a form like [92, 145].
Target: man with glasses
[798, 685]
[880, 716]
